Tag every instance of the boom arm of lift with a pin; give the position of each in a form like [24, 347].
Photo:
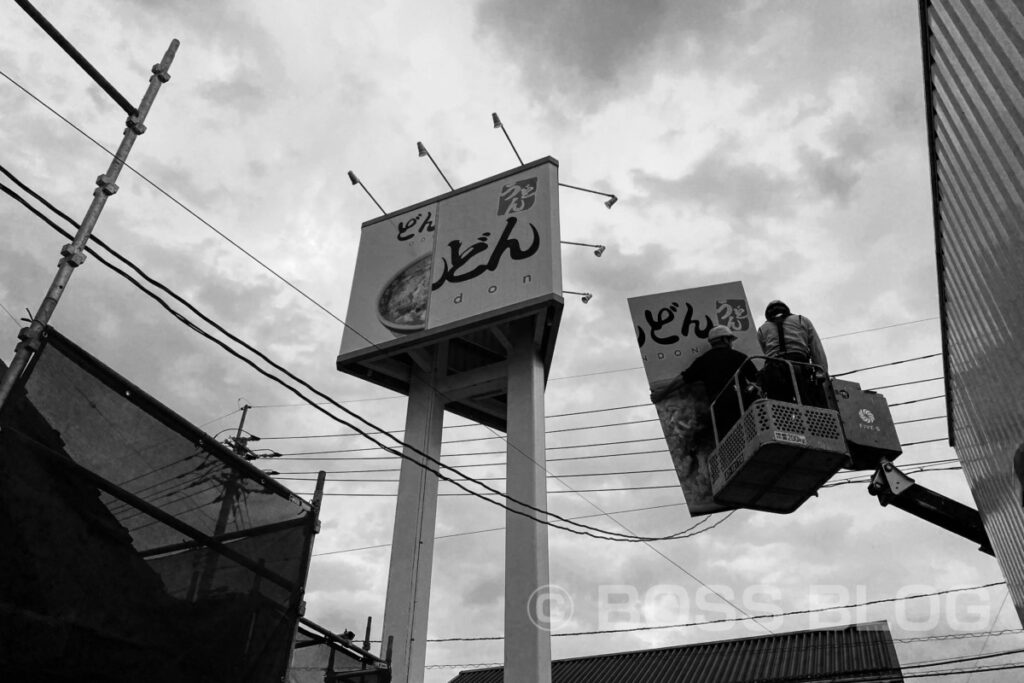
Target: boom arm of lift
[892, 487]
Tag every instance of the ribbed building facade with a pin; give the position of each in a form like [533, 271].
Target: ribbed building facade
[851, 654]
[974, 85]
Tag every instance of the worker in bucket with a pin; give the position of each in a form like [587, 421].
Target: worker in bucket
[792, 337]
[715, 369]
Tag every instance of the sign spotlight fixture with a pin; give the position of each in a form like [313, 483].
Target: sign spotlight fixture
[356, 181]
[611, 198]
[422, 151]
[598, 248]
[498, 124]
[586, 296]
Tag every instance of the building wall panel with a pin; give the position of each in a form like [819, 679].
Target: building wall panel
[974, 82]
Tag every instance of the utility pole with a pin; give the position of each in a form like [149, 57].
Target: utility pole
[73, 255]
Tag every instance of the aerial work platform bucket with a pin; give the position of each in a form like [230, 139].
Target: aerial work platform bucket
[777, 455]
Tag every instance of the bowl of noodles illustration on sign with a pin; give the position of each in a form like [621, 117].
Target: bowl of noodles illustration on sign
[402, 304]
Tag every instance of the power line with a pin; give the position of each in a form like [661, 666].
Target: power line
[833, 646]
[300, 455]
[883, 327]
[904, 384]
[11, 316]
[181, 205]
[616, 489]
[282, 279]
[323, 308]
[916, 400]
[672, 486]
[479, 438]
[885, 365]
[299, 437]
[157, 187]
[609, 535]
[636, 405]
[550, 448]
[501, 528]
[984, 643]
[635, 629]
[943, 461]
[266, 267]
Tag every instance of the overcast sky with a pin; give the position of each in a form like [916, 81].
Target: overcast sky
[781, 143]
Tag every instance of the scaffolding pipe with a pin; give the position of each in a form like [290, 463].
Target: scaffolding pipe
[80, 59]
[73, 254]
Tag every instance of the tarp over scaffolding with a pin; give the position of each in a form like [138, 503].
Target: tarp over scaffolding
[135, 547]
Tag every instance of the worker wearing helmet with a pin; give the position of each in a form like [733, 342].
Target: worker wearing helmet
[791, 337]
[715, 369]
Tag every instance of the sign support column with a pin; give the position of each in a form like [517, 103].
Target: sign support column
[412, 544]
[527, 644]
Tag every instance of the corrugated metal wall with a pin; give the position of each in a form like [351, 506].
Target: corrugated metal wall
[974, 78]
[864, 652]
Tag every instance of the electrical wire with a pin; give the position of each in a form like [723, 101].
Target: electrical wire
[169, 196]
[586, 530]
[638, 405]
[885, 365]
[11, 316]
[984, 643]
[266, 267]
[774, 615]
[296, 454]
[501, 528]
[527, 506]
[567, 429]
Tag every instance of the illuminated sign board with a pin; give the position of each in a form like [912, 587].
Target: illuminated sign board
[455, 263]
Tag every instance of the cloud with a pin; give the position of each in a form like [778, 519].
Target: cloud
[579, 54]
[240, 91]
[738, 190]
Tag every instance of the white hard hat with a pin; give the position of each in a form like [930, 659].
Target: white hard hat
[720, 331]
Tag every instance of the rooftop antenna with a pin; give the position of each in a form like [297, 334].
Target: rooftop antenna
[356, 181]
[498, 124]
[424, 153]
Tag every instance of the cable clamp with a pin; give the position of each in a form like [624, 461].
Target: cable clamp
[161, 73]
[135, 124]
[316, 527]
[106, 186]
[73, 255]
[31, 338]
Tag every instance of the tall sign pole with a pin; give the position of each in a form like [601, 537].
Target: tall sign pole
[527, 644]
[412, 543]
[73, 255]
[456, 301]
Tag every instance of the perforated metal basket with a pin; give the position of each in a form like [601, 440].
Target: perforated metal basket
[776, 456]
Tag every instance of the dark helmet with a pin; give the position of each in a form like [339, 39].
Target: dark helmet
[775, 308]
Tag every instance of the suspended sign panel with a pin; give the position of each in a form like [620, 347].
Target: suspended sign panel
[452, 271]
[671, 330]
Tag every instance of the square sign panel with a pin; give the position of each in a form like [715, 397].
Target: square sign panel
[671, 330]
[452, 266]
